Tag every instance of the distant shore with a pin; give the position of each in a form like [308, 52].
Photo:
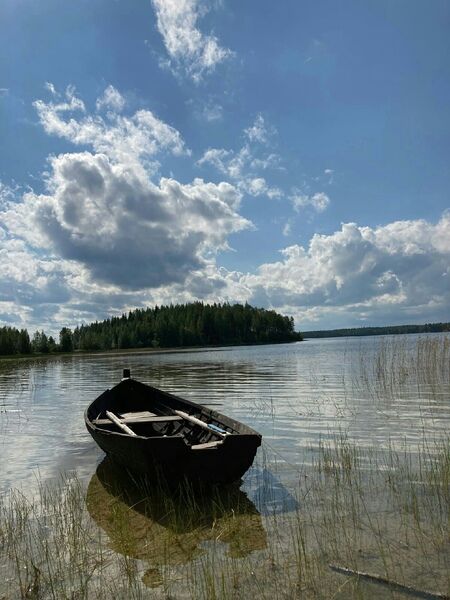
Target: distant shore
[386, 330]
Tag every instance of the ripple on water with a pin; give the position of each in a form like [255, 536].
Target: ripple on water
[296, 395]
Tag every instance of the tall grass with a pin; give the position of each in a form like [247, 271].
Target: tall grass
[394, 367]
[369, 511]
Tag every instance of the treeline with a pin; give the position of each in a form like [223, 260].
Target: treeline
[194, 324]
[388, 330]
[15, 341]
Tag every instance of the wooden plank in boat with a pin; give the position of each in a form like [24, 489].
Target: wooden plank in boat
[207, 445]
[143, 413]
[160, 419]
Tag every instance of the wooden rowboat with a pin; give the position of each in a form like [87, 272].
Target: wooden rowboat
[148, 432]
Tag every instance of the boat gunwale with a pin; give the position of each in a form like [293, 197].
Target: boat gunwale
[211, 413]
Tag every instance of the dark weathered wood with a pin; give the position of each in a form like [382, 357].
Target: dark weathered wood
[392, 585]
[170, 443]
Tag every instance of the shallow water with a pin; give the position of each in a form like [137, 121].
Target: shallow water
[297, 395]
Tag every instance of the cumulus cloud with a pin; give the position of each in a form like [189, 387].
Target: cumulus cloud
[105, 236]
[401, 268]
[125, 229]
[190, 51]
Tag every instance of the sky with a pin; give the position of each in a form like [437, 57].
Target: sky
[293, 155]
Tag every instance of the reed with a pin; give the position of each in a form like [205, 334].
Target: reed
[368, 511]
[393, 367]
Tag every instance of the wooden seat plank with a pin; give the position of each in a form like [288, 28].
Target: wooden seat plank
[138, 415]
[207, 445]
[161, 419]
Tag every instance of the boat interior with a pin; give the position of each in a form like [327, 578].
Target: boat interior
[134, 410]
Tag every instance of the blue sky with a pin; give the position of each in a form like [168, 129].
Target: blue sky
[291, 155]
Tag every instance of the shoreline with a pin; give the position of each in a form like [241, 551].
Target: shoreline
[147, 350]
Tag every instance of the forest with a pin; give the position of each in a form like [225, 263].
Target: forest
[174, 326]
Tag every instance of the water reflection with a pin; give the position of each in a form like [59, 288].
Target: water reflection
[268, 493]
[166, 527]
[296, 395]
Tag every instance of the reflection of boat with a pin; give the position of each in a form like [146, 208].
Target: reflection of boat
[167, 527]
[148, 430]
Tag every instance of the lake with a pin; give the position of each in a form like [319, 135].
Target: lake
[297, 395]
[354, 470]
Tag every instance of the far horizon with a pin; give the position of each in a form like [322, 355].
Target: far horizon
[294, 157]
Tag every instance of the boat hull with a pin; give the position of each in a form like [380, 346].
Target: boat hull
[171, 456]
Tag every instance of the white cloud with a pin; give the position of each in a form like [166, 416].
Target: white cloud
[6, 194]
[287, 229]
[243, 166]
[319, 201]
[130, 140]
[259, 131]
[111, 99]
[401, 268]
[123, 228]
[190, 50]
[329, 173]
[51, 88]
[104, 237]
[213, 112]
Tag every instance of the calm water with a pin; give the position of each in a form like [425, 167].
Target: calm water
[296, 395]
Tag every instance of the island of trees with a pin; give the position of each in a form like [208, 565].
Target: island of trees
[388, 330]
[194, 324]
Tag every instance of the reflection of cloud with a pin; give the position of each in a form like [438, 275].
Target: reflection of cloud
[267, 492]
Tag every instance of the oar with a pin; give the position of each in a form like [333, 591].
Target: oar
[119, 423]
[209, 427]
